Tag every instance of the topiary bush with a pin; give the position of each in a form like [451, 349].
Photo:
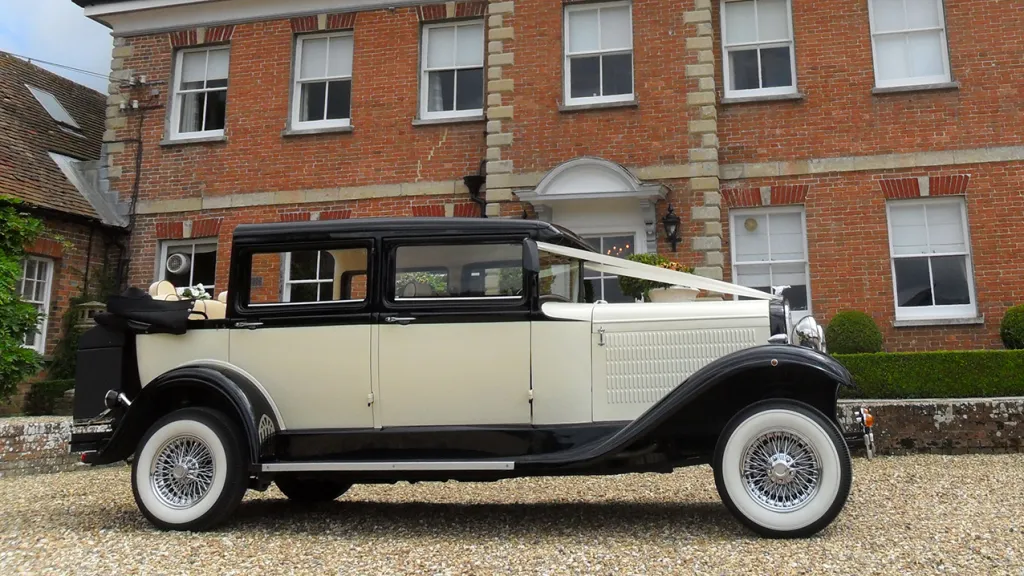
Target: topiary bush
[1011, 330]
[853, 332]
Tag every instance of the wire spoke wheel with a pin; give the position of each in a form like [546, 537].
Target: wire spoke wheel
[182, 472]
[780, 470]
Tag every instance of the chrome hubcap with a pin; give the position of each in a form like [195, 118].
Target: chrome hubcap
[780, 470]
[182, 472]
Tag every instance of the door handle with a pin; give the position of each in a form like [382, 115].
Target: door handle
[249, 325]
[403, 320]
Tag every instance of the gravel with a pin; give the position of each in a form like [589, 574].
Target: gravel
[911, 514]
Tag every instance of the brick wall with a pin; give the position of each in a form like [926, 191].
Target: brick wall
[677, 132]
[848, 244]
[959, 426]
[67, 245]
[840, 116]
[35, 445]
[383, 147]
[955, 426]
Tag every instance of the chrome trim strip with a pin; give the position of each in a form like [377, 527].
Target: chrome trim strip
[378, 466]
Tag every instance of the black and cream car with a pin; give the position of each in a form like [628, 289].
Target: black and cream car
[386, 350]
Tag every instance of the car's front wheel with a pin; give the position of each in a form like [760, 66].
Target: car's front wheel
[783, 469]
[189, 470]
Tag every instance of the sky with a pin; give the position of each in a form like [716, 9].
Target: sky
[57, 31]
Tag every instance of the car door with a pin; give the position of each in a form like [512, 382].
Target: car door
[454, 334]
[303, 331]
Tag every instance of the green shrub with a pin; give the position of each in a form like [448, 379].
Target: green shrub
[853, 332]
[1012, 328]
[17, 317]
[638, 288]
[43, 395]
[956, 374]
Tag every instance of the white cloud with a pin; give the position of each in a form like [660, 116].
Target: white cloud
[57, 31]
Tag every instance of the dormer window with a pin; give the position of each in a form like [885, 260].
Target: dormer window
[53, 108]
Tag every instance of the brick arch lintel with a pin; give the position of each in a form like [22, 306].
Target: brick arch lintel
[449, 10]
[924, 186]
[775, 195]
[324, 22]
[201, 35]
[181, 229]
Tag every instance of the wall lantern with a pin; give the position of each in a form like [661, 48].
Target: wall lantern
[671, 224]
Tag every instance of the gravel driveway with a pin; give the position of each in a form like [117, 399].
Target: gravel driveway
[912, 514]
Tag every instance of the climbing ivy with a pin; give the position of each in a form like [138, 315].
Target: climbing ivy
[17, 317]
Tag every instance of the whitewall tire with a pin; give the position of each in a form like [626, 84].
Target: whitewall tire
[189, 470]
[783, 469]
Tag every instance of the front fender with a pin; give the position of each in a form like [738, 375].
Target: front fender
[784, 358]
[213, 386]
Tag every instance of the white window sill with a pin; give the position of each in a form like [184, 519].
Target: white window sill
[193, 140]
[632, 103]
[915, 322]
[916, 88]
[763, 98]
[322, 130]
[448, 120]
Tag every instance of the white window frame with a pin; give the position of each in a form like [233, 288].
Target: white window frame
[758, 45]
[933, 312]
[738, 213]
[161, 270]
[425, 71]
[44, 317]
[568, 56]
[918, 80]
[176, 92]
[297, 86]
[286, 293]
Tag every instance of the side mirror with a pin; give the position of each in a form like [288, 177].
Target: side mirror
[531, 256]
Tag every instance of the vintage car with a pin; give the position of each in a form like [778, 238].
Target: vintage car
[422, 349]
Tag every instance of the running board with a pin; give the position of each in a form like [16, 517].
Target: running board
[379, 466]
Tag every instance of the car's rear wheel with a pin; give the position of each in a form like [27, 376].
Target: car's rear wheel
[311, 490]
[189, 470]
[783, 469]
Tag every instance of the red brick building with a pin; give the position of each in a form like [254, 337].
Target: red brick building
[51, 133]
[867, 153]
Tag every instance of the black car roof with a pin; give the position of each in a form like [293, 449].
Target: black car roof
[312, 230]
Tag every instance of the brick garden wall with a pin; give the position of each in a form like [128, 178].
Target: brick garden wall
[959, 426]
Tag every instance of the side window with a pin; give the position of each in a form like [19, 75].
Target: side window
[308, 276]
[559, 277]
[458, 271]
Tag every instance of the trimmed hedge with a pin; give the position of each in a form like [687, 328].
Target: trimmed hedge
[853, 332]
[42, 396]
[952, 374]
[1011, 330]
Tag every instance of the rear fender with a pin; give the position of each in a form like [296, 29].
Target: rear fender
[213, 385]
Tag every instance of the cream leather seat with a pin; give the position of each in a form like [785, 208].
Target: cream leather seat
[163, 290]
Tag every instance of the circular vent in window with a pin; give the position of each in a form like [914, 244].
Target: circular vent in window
[177, 263]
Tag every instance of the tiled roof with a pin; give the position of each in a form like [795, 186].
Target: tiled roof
[28, 134]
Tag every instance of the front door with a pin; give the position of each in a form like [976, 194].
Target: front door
[454, 334]
[306, 334]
